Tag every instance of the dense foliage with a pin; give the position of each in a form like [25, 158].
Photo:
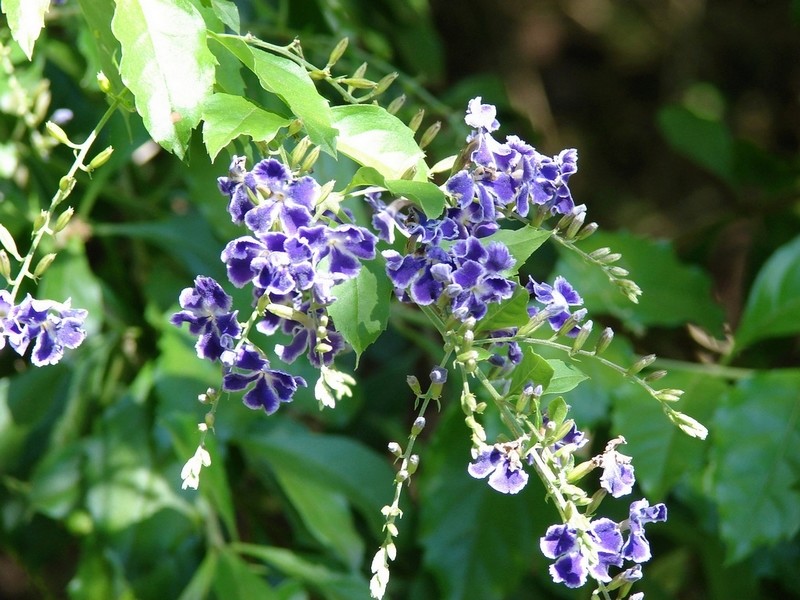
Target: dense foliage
[274, 226]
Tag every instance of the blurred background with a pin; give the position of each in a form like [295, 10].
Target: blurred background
[686, 118]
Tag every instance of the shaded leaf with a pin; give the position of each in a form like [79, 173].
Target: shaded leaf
[565, 377]
[226, 117]
[361, 309]
[774, 302]
[520, 242]
[235, 579]
[757, 450]
[533, 368]
[166, 64]
[508, 313]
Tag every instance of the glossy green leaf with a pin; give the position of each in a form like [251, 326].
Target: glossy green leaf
[707, 142]
[477, 542]
[226, 117]
[375, 138]
[324, 511]
[330, 584]
[508, 313]
[687, 298]
[291, 83]
[167, 65]
[532, 368]
[566, 377]
[662, 454]
[322, 457]
[757, 476]
[774, 303]
[361, 309]
[236, 579]
[428, 196]
[227, 12]
[26, 21]
[522, 243]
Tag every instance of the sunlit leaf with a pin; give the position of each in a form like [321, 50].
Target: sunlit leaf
[167, 65]
[26, 21]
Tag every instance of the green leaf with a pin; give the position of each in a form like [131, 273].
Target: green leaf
[105, 46]
[508, 313]
[361, 309]
[687, 298]
[662, 454]
[424, 193]
[56, 483]
[557, 410]
[166, 64]
[324, 512]
[774, 300]
[375, 138]
[756, 450]
[322, 458]
[706, 142]
[26, 21]
[203, 577]
[565, 377]
[227, 12]
[532, 368]
[236, 580]
[477, 542]
[291, 83]
[226, 117]
[330, 584]
[520, 242]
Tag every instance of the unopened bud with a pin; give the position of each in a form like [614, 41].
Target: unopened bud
[323, 347]
[360, 71]
[401, 476]
[669, 395]
[5, 265]
[43, 264]
[611, 258]
[384, 83]
[310, 160]
[209, 420]
[580, 471]
[101, 159]
[468, 403]
[413, 464]
[655, 375]
[438, 375]
[66, 183]
[564, 222]
[586, 231]
[58, 133]
[299, 151]
[604, 341]
[582, 336]
[430, 134]
[295, 127]
[640, 364]
[395, 449]
[359, 83]
[318, 74]
[396, 104]
[413, 383]
[416, 120]
[103, 83]
[40, 220]
[338, 51]
[575, 225]
[63, 219]
[618, 272]
[599, 253]
[418, 426]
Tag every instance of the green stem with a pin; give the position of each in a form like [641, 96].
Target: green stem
[65, 189]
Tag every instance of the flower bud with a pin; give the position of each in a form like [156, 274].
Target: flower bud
[618, 272]
[401, 476]
[416, 120]
[43, 264]
[395, 449]
[586, 231]
[59, 134]
[63, 219]
[599, 253]
[209, 420]
[360, 71]
[640, 364]
[384, 83]
[295, 127]
[299, 151]
[582, 336]
[413, 383]
[413, 463]
[40, 220]
[582, 470]
[359, 83]
[438, 375]
[101, 159]
[103, 83]
[396, 104]
[468, 402]
[418, 426]
[669, 395]
[687, 424]
[430, 134]
[575, 225]
[318, 74]
[338, 51]
[5, 265]
[310, 160]
[66, 183]
[655, 376]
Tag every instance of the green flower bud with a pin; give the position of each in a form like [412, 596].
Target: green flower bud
[586, 231]
[396, 104]
[416, 120]
[413, 383]
[640, 364]
[418, 426]
[413, 464]
[430, 134]
[103, 83]
[101, 159]
[5, 265]
[59, 134]
[43, 264]
[63, 219]
[395, 449]
[310, 160]
[384, 83]
[338, 51]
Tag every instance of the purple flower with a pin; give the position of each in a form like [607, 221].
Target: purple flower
[557, 300]
[51, 326]
[481, 116]
[206, 307]
[268, 388]
[550, 187]
[346, 245]
[570, 569]
[503, 464]
[607, 540]
[637, 548]
[617, 478]
[558, 540]
[306, 336]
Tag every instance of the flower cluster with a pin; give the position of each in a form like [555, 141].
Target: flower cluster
[51, 327]
[292, 257]
[502, 180]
